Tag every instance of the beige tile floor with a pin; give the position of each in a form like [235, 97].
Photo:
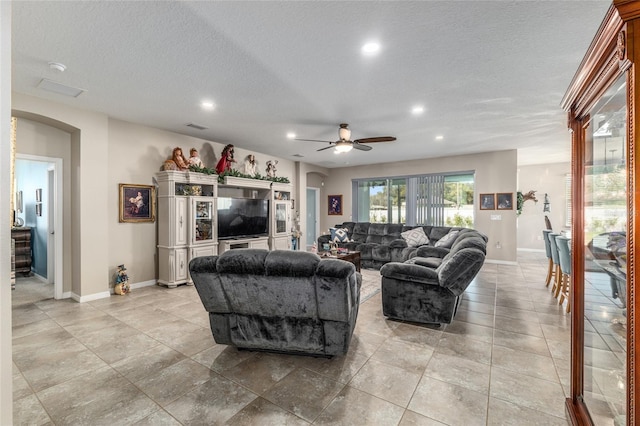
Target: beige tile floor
[149, 358]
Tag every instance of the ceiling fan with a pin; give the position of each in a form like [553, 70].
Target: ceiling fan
[345, 144]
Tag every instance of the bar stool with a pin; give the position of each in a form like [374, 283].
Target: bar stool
[564, 254]
[556, 264]
[547, 247]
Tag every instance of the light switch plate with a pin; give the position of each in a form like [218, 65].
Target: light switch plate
[496, 217]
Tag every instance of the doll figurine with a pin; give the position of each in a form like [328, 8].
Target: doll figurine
[271, 168]
[226, 158]
[194, 158]
[250, 166]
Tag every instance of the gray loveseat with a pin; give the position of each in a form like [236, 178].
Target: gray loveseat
[381, 243]
[428, 287]
[283, 301]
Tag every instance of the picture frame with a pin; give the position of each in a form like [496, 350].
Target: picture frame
[335, 205]
[504, 201]
[487, 201]
[137, 203]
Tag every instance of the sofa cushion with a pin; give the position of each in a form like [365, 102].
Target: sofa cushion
[360, 232]
[291, 263]
[242, 261]
[447, 240]
[415, 237]
[339, 235]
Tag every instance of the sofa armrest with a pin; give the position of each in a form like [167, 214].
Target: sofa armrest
[337, 289]
[457, 272]
[431, 251]
[206, 279]
[323, 239]
[410, 272]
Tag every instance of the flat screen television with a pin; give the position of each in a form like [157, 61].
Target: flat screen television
[242, 217]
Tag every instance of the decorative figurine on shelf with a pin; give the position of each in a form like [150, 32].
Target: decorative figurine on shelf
[194, 158]
[226, 158]
[177, 161]
[122, 281]
[250, 165]
[271, 168]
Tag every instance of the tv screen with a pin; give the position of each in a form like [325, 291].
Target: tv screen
[242, 217]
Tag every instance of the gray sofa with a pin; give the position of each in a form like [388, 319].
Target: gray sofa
[429, 289]
[381, 243]
[282, 301]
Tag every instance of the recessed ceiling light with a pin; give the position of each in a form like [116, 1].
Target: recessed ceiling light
[417, 110]
[439, 137]
[207, 105]
[291, 135]
[371, 48]
[57, 66]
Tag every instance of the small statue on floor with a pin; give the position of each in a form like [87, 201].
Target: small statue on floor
[122, 281]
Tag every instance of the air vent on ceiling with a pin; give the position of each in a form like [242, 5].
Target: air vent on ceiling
[196, 126]
[297, 155]
[59, 88]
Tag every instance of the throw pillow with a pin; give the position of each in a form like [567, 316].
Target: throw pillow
[447, 240]
[415, 237]
[340, 235]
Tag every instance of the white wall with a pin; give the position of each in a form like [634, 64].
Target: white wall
[6, 371]
[136, 154]
[494, 172]
[550, 179]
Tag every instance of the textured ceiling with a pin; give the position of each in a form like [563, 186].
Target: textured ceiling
[490, 75]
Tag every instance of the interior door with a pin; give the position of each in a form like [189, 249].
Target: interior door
[311, 234]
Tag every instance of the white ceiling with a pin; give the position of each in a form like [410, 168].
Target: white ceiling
[490, 74]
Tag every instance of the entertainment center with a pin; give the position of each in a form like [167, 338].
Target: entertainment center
[197, 216]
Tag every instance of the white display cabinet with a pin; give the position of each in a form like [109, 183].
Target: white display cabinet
[186, 223]
[280, 227]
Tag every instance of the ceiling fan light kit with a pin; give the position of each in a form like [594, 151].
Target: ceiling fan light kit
[345, 144]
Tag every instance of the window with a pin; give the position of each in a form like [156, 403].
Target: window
[433, 199]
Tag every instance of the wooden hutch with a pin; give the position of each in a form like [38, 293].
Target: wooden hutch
[602, 107]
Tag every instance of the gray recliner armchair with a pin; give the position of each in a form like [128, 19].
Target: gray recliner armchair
[282, 301]
[428, 290]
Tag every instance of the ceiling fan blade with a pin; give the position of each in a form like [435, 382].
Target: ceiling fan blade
[327, 147]
[313, 140]
[357, 145]
[376, 139]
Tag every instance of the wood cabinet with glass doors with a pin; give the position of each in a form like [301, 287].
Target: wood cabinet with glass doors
[186, 223]
[601, 103]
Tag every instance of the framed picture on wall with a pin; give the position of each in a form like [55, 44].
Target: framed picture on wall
[137, 203]
[335, 204]
[505, 200]
[487, 201]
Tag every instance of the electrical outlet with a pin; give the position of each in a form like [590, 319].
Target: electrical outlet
[539, 238]
[498, 245]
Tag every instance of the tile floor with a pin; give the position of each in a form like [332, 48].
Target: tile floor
[149, 358]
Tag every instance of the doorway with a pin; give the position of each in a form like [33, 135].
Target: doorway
[313, 212]
[41, 184]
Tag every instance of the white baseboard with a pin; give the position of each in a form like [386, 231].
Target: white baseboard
[532, 250]
[104, 294]
[66, 295]
[90, 297]
[144, 284]
[501, 262]
[40, 278]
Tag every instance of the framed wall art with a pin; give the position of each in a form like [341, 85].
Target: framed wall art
[505, 200]
[335, 205]
[137, 203]
[487, 201]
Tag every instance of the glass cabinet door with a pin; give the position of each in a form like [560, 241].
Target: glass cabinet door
[281, 218]
[605, 266]
[203, 216]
